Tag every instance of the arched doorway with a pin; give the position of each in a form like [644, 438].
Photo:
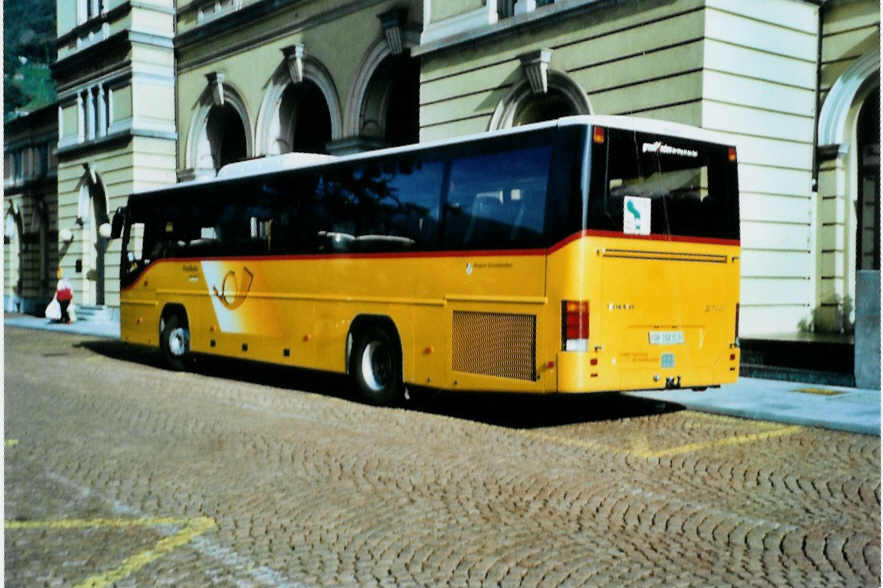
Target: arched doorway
[867, 238]
[304, 119]
[390, 111]
[383, 105]
[226, 136]
[219, 133]
[523, 105]
[91, 215]
[539, 107]
[12, 240]
[300, 113]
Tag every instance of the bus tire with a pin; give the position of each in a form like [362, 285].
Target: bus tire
[376, 366]
[175, 342]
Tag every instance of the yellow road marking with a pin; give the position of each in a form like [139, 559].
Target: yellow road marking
[821, 391]
[734, 440]
[640, 446]
[11, 442]
[85, 523]
[192, 528]
[731, 420]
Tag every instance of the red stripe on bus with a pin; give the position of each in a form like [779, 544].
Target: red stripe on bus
[618, 235]
[449, 253]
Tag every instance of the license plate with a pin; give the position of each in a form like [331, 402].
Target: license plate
[666, 337]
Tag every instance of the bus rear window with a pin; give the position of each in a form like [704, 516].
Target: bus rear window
[649, 184]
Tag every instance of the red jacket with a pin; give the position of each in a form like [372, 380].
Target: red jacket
[64, 291]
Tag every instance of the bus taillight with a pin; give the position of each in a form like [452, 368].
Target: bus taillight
[731, 155]
[598, 135]
[575, 325]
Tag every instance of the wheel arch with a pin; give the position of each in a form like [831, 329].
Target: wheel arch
[366, 321]
[170, 309]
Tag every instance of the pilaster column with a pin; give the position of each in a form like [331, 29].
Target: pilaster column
[81, 118]
[90, 115]
[102, 112]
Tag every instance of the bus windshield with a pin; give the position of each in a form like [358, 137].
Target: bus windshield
[645, 184]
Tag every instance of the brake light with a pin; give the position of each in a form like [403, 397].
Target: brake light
[732, 154]
[598, 134]
[575, 325]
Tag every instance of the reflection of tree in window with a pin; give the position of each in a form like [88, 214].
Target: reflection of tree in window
[497, 199]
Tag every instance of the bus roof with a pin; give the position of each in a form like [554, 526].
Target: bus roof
[292, 161]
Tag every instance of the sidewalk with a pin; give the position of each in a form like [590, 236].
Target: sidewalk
[831, 407]
[107, 329]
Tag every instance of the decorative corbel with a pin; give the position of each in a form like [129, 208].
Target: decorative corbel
[90, 174]
[216, 83]
[536, 68]
[294, 59]
[393, 22]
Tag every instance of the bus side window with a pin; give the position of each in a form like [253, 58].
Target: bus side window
[497, 199]
[335, 208]
[416, 189]
[135, 248]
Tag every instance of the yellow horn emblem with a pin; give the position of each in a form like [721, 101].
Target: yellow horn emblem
[230, 295]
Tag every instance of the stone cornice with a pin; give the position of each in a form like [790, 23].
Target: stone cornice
[542, 16]
[111, 139]
[111, 15]
[118, 41]
[248, 14]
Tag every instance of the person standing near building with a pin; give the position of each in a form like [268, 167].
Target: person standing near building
[64, 293]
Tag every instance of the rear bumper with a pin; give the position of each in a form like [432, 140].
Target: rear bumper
[578, 373]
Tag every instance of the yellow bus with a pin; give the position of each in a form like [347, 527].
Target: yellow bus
[585, 254]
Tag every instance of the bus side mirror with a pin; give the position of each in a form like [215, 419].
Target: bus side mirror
[116, 227]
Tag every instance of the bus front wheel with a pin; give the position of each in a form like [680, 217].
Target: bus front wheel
[376, 365]
[175, 342]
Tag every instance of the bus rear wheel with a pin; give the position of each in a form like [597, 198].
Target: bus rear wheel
[376, 365]
[175, 342]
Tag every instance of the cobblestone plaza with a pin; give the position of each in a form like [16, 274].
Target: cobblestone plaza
[119, 472]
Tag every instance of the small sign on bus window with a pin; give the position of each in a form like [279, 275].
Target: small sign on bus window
[636, 215]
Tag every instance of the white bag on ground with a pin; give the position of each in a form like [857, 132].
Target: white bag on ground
[53, 311]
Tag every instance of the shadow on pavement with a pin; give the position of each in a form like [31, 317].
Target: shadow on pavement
[519, 411]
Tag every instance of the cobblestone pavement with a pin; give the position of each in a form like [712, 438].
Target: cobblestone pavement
[119, 472]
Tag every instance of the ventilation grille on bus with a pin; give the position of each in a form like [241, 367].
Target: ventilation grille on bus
[495, 344]
[664, 255]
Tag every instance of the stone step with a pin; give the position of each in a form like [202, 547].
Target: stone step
[94, 313]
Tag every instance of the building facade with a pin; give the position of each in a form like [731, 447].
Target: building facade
[30, 232]
[116, 128]
[152, 92]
